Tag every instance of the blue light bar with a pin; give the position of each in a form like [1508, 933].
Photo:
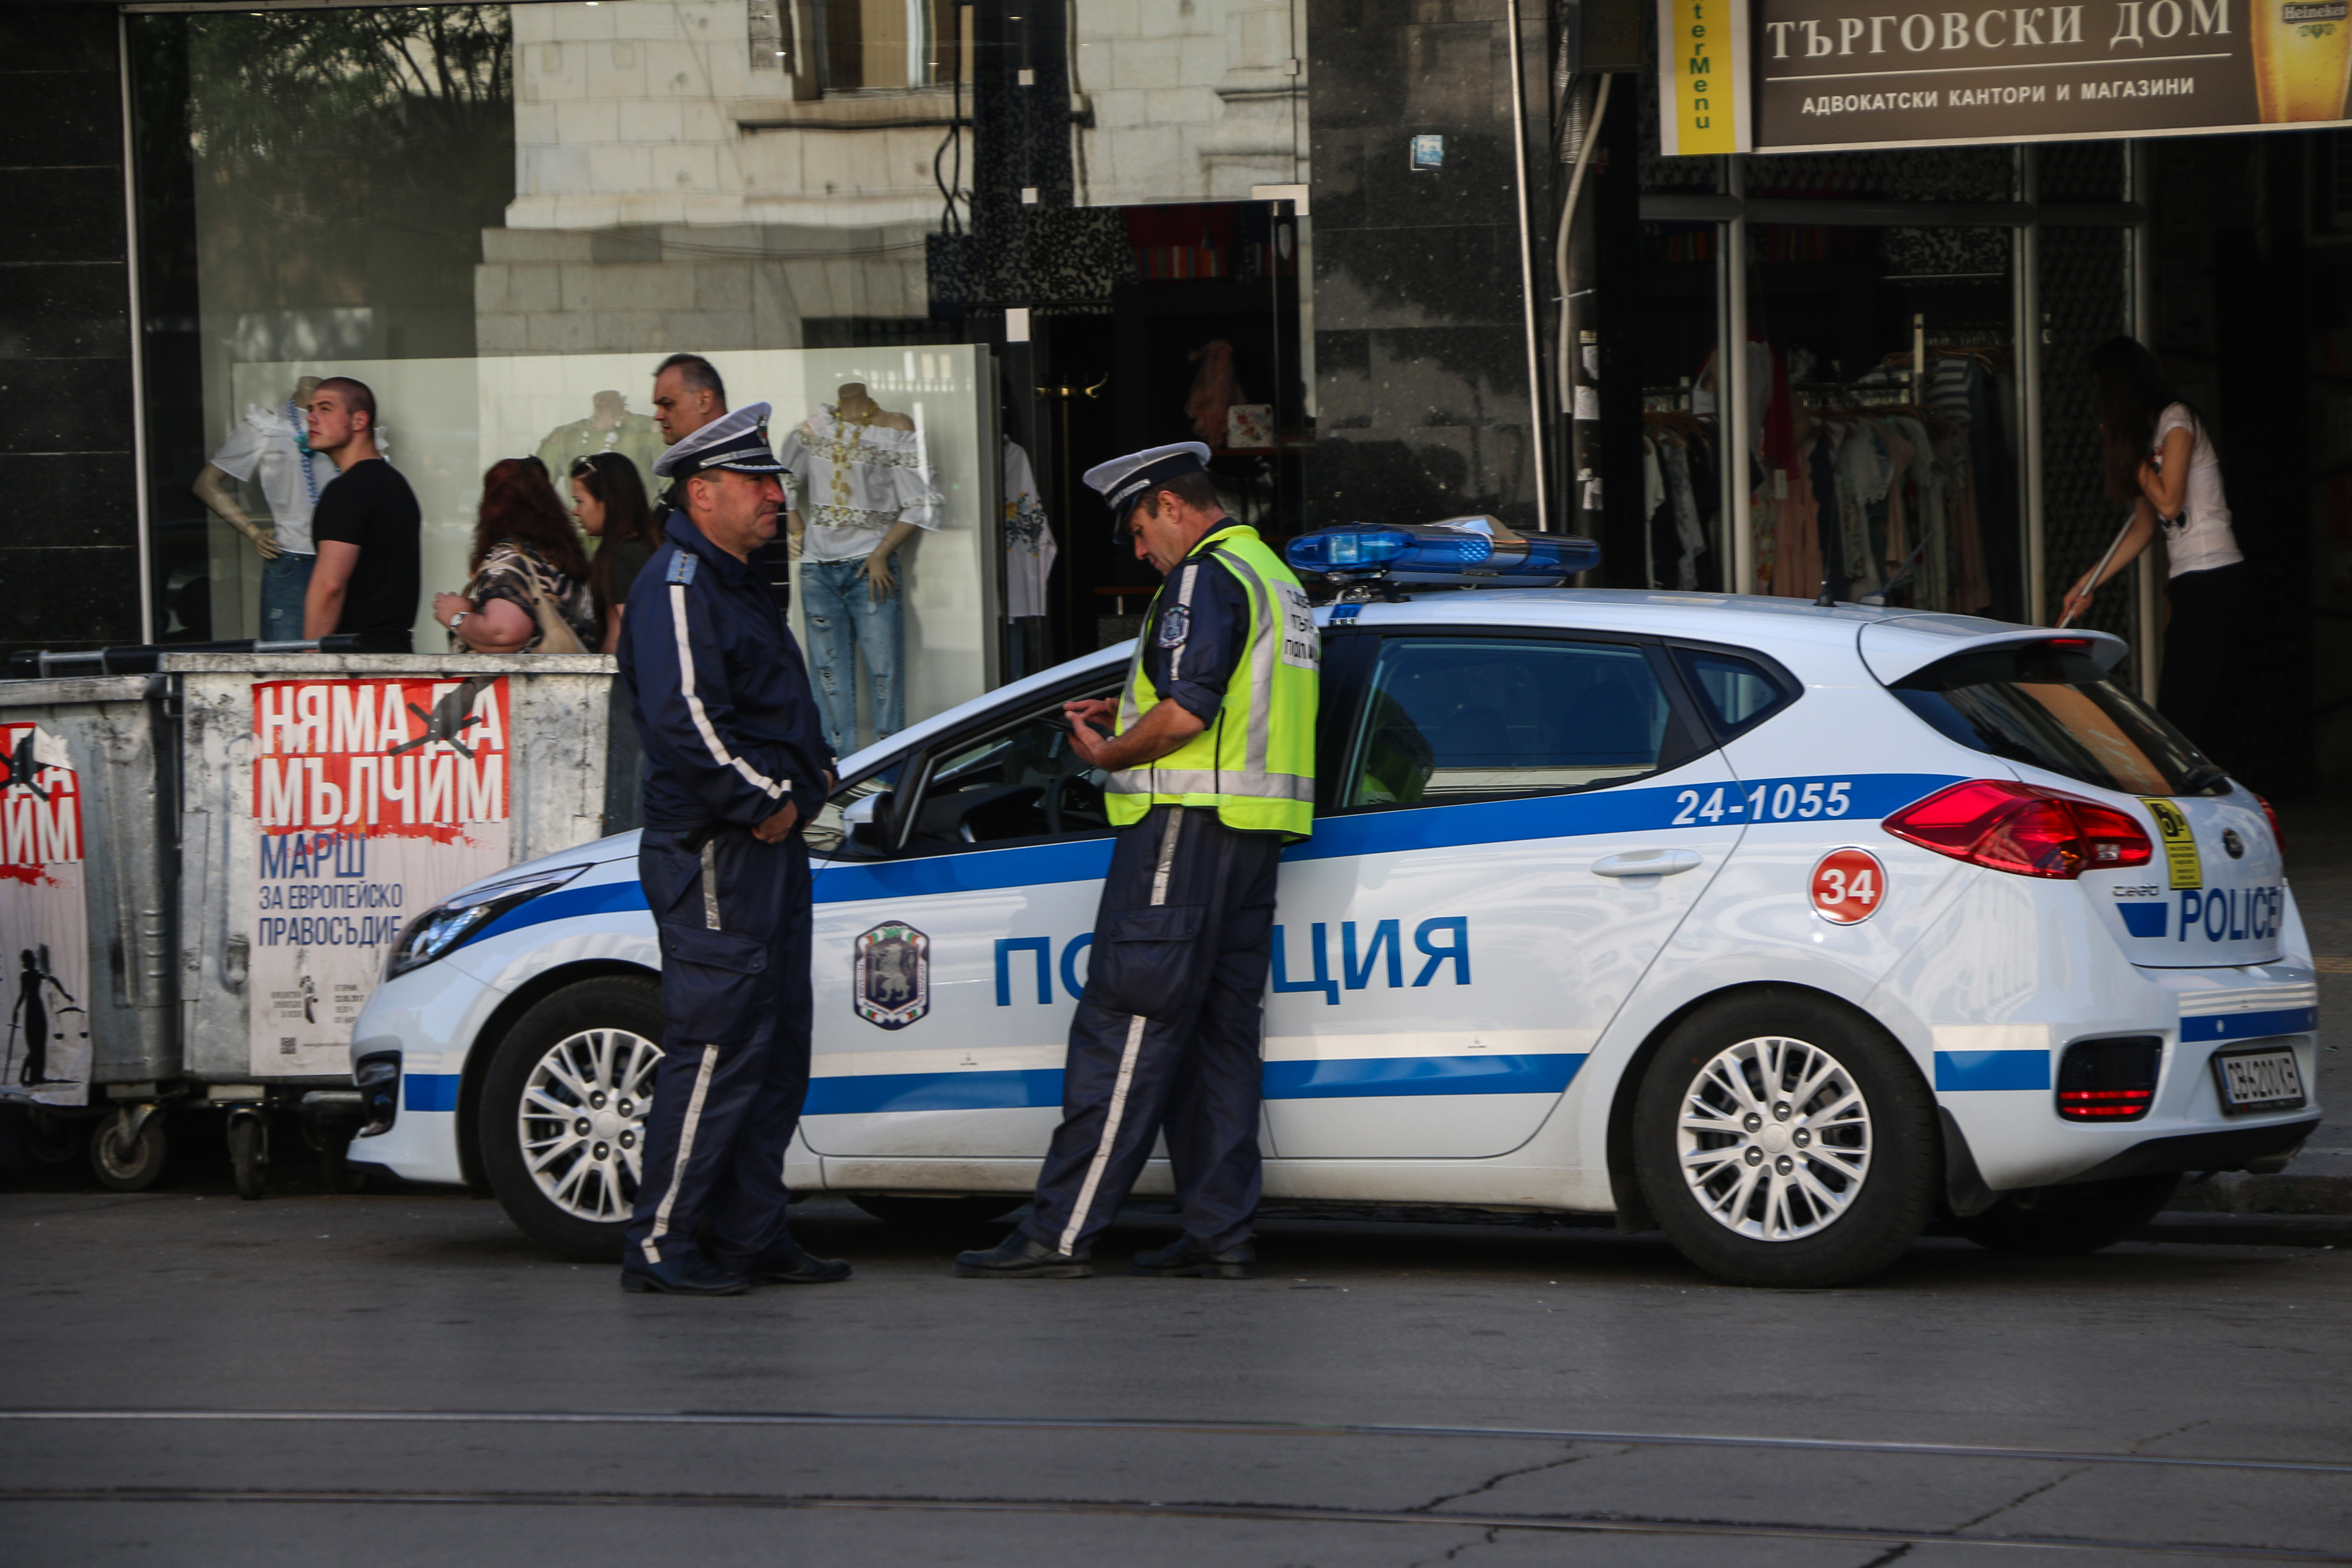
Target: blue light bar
[1438, 555]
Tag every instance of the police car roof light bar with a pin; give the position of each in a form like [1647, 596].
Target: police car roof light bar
[1467, 552]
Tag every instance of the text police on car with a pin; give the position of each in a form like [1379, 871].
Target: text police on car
[735, 761]
[1210, 771]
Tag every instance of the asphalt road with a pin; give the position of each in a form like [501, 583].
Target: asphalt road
[1386, 1392]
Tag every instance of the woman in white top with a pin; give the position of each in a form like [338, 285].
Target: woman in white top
[2161, 458]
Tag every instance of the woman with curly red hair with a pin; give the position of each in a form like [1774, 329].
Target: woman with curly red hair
[527, 560]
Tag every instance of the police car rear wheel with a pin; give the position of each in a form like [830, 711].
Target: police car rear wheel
[562, 1113]
[1783, 1140]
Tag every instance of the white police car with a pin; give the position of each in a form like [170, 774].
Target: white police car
[1787, 929]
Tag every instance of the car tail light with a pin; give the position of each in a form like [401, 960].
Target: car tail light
[2022, 829]
[2109, 1081]
[2278, 838]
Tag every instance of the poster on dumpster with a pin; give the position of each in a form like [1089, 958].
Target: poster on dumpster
[44, 921]
[373, 798]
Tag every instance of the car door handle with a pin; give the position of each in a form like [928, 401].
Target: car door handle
[1645, 863]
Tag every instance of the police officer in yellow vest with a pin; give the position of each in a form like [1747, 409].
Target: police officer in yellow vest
[1210, 771]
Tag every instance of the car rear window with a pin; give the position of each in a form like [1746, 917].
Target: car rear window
[2055, 709]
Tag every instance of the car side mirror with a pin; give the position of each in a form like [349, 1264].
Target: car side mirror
[872, 822]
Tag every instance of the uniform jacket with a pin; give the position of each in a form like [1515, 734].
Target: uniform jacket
[721, 697]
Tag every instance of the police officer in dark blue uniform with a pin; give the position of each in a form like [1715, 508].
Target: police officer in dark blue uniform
[736, 760]
[1210, 771]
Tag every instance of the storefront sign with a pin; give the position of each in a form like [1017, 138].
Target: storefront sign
[43, 920]
[372, 800]
[1702, 91]
[1835, 73]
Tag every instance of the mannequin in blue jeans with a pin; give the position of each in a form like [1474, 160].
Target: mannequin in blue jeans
[855, 613]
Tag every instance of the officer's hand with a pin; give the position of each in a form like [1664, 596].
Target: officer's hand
[1091, 710]
[773, 831]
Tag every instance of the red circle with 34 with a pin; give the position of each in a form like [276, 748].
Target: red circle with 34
[1848, 885]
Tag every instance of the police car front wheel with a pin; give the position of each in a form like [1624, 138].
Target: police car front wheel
[563, 1108]
[1782, 1139]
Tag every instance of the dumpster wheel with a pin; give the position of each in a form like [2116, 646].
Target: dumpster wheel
[248, 1151]
[128, 1149]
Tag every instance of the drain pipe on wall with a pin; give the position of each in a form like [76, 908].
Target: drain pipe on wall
[1529, 310]
[1579, 397]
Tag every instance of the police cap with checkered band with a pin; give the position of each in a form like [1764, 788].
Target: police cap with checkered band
[1123, 482]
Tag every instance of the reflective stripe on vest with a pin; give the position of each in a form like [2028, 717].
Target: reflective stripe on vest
[1255, 764]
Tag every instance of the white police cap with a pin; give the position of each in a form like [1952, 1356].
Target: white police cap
[737, 441]
[1124, 480]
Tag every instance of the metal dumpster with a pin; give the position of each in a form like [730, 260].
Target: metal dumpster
[86, 907]
[204, 867]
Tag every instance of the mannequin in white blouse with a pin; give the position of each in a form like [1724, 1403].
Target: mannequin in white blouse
[856, 407]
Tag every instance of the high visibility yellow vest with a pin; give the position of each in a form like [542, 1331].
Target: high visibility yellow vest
[1254, 765]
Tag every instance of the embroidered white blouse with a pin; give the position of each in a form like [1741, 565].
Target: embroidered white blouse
[854, 481]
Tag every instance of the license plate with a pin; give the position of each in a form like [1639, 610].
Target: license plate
[2259, 1080]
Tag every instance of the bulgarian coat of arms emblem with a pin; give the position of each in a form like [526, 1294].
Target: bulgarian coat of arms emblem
[894, 975]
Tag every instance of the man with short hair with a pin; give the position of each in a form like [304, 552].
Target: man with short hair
[688, 394]
[368, 527]
[735, 761]
[1211, 769]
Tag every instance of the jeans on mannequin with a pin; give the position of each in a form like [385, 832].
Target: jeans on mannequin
[845, 626]
[285, 584]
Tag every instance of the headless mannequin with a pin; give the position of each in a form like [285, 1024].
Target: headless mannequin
[217, 489]
[856, 406]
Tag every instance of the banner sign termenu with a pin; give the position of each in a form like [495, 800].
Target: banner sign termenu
[44, 919]
[373, 799]
[1828, 74]
[1703, 92]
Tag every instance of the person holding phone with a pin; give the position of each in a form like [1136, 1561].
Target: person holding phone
[2159, 458]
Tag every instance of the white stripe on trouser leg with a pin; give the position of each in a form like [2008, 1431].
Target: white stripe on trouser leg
[1117, 1106]
[684, 1152]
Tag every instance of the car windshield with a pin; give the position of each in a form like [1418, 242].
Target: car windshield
[2056, 708]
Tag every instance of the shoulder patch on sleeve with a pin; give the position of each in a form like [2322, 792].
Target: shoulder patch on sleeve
[1175, 625]
[681, 566]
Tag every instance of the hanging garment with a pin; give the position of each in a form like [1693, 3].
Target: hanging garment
[1862, 472]
[1654, 501]
[1690, 537]
[1820, 471]
[1214, 393]
[855, 482]
[1029, 547]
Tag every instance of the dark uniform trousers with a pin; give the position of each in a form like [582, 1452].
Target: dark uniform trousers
[1167, 1033]
[734, 919]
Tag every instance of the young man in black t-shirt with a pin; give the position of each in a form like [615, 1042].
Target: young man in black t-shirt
[367, 525]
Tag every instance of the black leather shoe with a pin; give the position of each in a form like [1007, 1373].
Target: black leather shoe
[689, 1274]
[794, 1268]
[1186, 1257]
[1019, 1258]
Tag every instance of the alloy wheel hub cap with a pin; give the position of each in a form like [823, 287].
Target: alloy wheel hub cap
[1774, 1139]
[580, 1125]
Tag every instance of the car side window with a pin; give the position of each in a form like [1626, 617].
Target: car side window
[1022, 781]
[1737, 693]
[1450, 719]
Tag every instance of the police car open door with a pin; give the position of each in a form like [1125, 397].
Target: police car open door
[1514, 829]
[953, 912]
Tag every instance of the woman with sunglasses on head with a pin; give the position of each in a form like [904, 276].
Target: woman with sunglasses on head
[608, 496]
[2159, 458]
[528, 592]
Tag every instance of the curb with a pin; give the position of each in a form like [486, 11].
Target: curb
[2235, 1192]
